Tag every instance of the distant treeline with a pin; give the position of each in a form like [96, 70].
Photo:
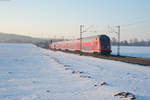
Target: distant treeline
[132, 42]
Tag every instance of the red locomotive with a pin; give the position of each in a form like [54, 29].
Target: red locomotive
[96, 44]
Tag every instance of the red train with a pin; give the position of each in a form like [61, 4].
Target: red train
[96, 44]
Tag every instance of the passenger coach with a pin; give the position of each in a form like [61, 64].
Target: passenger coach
[96, 44]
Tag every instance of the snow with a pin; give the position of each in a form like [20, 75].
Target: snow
[31, 73]
[133, 51]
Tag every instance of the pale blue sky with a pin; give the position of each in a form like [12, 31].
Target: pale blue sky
[63, 17]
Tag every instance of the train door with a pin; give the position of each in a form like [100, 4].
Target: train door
[95, 45]
[78, 45]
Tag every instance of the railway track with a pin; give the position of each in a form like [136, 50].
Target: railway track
[127, 59]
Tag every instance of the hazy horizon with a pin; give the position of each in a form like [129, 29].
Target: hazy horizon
[58, 18]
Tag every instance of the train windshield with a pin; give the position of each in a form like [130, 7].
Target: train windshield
[105, 41]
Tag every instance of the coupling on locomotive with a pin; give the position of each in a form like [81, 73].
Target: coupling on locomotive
[99, 44]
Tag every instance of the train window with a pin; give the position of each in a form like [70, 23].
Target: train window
[95, 43]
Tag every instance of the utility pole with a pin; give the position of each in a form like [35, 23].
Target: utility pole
[118, 33]
[81, 31]
[118, 50]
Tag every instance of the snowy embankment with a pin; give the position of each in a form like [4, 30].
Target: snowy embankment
[133, 51]
[30, 73]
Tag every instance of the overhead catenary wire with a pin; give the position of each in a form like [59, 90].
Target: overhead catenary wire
[136, 23]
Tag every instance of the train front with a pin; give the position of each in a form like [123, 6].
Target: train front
[105, 45]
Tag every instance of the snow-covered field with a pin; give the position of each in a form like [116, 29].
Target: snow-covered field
[31, 73]
[134, 51]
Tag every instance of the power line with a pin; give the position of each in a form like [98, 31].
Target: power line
[136, 23]
[118, 33]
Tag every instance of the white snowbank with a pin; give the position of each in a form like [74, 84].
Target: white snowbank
[30, 73]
